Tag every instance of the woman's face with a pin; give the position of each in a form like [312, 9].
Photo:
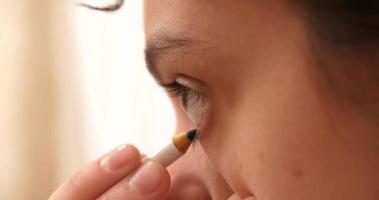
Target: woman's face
[285, 93]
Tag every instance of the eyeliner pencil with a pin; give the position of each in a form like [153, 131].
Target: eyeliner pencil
[174, 149]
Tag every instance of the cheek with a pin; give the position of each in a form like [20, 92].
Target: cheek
[353, 74]
[277, 140]
[257, 141]
[193, 177]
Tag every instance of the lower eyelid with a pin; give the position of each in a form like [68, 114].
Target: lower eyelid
[192, 83]
[196, 109]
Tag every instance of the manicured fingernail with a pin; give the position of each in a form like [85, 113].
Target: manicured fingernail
[119, 158]
[147, 179]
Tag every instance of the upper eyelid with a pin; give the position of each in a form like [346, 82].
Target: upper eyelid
[184, 92]
[174, 88]
[169, 86]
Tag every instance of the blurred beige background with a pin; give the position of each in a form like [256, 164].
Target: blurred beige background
[72, 86]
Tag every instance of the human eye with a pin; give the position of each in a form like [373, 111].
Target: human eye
[192, 101]
[186, 95]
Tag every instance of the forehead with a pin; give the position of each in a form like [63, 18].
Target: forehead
[176, 17]
[208, 18]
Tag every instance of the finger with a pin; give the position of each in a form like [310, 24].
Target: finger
[150, 182]
[98, 176]
[236, 197]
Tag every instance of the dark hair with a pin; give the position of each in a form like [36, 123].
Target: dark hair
[112, 7]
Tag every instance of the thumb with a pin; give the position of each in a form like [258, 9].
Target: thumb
[150, 182]
[236, 197]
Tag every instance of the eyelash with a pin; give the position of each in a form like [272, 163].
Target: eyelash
[184, 93]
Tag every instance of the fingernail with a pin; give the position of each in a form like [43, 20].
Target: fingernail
[119, 158]
[234, 197]
[147, 179]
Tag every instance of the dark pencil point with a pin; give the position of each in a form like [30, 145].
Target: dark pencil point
[191, 135]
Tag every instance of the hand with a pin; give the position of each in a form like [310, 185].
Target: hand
[105, 178]
[236, 197]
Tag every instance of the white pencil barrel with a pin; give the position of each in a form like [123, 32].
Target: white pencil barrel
[167, 155]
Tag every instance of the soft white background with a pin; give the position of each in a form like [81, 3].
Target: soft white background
[124, 105]
[73, 85]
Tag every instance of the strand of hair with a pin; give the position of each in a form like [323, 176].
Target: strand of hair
[113, 7]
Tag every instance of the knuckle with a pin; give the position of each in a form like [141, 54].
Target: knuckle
[80, 178]
[74, 182]
[116, 195]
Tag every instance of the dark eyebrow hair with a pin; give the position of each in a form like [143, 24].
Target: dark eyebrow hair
[157, 47]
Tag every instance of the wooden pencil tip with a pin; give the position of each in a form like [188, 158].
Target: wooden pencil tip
[182, 141]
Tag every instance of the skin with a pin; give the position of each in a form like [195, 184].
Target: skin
[288, 106]
[200, 181]
[289, 113]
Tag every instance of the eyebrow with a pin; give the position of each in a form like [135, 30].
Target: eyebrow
[160, 46]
